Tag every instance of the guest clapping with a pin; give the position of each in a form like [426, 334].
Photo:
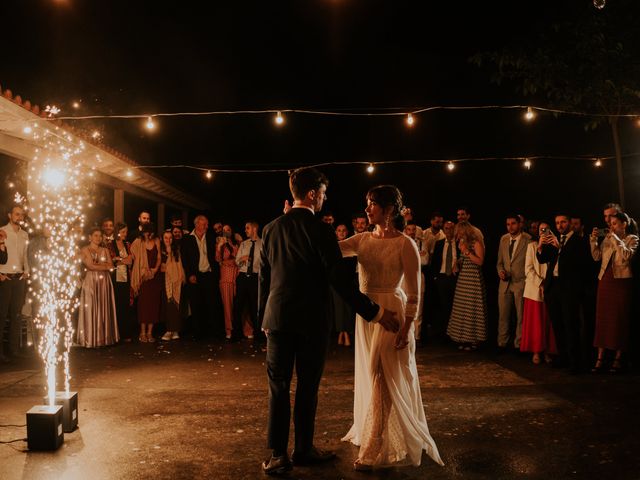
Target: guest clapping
[614, 290]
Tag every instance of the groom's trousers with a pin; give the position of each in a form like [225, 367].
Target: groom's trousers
[307, 352]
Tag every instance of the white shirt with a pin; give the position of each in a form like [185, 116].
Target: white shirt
[203, 264]
[244, 250]
[566, 239]
[429, 239]
[454, 255]
[515, 244]
[16, 245]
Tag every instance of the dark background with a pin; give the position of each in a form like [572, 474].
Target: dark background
[122, 57]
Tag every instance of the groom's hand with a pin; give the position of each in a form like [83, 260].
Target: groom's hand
[389, 321]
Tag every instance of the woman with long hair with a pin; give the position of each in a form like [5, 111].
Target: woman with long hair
[468, 321]
[97, 324]
[389, 422]
[145, 281]
[120, 250]
[172, 278]
[226, 252]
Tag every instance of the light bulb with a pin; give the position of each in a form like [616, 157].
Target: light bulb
[527, 164]
[599, 4]
[279, 119]
[370, 168]
[208, 174]
[410, 120]
[129, 173]
[598, 163]
[451, 166]
[27, 130]
[76, 105]
[150, 125]
[530, 115]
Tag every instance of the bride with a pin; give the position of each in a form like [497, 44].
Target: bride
[389, 422]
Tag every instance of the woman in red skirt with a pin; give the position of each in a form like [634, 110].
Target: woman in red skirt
[537, 334]
[614, 290]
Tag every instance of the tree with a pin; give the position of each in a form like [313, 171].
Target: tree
[588, 63]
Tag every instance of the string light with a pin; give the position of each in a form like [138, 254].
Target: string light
[527, 164]
[279, 119]
[530, 115]
[410, 120]
[371, 168]
[150, 125]
[451, 166]
[598, 163]
[129, 173]
[209, 175]
[76, 105]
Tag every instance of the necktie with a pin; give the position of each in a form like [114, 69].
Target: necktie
[448, 259]
[511, 244]
[563, 238]
[251, 254]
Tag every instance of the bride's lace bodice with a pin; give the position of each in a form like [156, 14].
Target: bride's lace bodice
[386, 265]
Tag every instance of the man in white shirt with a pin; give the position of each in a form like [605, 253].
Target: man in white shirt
[107, 231]
[510, 266]
[13, 279]
[434, 233]
[248, 261]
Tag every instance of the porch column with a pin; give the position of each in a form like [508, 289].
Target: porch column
[118, 205]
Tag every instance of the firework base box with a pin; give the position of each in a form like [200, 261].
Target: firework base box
[44, 427]
[69, 403]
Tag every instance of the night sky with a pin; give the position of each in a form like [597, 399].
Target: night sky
[129, 57]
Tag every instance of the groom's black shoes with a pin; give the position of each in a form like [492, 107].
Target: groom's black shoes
[312, 456]
[277, 465]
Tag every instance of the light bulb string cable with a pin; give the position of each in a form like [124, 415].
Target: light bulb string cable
[353, 112]
[222, 169]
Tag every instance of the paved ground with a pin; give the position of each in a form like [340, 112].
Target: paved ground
[190, 410]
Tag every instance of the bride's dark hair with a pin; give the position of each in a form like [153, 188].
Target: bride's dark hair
[389, 196]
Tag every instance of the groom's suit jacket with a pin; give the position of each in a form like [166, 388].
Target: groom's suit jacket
[300, 257]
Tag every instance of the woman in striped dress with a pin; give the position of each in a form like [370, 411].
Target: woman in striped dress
[226, 256]
[468, 322]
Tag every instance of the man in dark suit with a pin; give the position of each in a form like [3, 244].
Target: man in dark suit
[443, 269]
[299, 259]
[568, 260]
[198, 251]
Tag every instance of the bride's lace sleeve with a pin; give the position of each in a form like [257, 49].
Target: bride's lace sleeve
[349, 246]
[411, 269]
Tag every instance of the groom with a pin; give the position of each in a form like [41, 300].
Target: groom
[299, 258]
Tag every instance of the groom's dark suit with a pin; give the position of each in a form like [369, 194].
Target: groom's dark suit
[299, 258]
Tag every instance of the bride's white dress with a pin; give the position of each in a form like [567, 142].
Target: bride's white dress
[389, 422]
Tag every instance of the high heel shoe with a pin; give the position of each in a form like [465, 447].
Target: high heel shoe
[616, 366]
[598, 367]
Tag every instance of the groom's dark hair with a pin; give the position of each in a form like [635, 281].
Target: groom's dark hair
[305, 179]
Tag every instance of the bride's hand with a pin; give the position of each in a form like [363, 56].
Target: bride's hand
[402, 339]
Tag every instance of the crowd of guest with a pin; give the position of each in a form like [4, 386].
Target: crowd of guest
[563, 296]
